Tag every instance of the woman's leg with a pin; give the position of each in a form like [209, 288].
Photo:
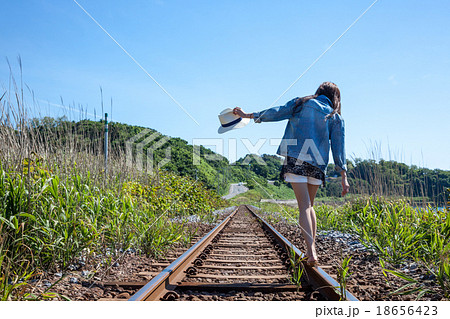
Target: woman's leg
[307, 218]
[312, 190]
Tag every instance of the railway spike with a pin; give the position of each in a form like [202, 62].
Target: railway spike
[170, 295]
[198, 262]
[191, 271]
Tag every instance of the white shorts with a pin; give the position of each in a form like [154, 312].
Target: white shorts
[294, 178]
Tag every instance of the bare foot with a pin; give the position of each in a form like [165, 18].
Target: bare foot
[312, 257]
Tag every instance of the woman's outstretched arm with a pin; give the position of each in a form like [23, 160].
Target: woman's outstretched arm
[277, 113]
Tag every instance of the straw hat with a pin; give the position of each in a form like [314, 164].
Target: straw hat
[230, 121]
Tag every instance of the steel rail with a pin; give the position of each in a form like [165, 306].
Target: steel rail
[317, 277]
[166, 280]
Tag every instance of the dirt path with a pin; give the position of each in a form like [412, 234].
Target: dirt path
[235, 189]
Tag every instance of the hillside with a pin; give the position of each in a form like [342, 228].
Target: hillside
[211, 168]
[388, 178]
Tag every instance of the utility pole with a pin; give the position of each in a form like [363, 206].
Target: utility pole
[218, 174]
[218, 178]
[106, 144]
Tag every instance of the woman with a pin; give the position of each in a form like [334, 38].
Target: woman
[315, 123]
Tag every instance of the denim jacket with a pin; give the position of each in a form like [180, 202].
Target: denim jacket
[308, 134]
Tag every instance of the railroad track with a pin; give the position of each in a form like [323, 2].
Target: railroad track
[243, 256]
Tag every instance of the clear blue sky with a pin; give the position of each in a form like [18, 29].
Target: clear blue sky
[392, 66]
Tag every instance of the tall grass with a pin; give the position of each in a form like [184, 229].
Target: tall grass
[392, 179]
[398, 232]
[59, 208]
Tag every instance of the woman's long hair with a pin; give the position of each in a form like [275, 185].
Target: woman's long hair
[331, 91]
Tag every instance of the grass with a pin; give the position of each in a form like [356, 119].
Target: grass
[50, 223]
[255, 195]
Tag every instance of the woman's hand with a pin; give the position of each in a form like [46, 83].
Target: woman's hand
[345, 184]
[238, 111]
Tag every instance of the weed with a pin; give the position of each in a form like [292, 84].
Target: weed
[296, 267]
[342, 277]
